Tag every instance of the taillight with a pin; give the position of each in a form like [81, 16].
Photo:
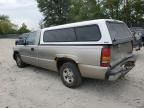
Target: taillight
[105, 57]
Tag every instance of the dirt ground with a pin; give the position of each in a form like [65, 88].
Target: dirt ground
[32, 87]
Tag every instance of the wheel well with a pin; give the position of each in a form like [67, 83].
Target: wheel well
[61, 61]
[15, 53]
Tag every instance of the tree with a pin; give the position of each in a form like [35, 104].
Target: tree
[129, 11]
[112, 8]
[41, 24]
[6, 27]
[23, 29]
[65, 11]
[4, 18]
[85, 10]
[134, 10]
[55, 11]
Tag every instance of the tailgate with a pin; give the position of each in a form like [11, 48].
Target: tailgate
[120, 52]
[122, 41]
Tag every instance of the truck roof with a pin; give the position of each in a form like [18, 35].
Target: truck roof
[83, 23]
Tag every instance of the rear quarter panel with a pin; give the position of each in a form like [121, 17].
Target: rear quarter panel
[86, 55]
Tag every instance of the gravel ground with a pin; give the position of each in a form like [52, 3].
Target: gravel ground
[33, 87]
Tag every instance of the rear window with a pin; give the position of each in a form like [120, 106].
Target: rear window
[118, 31]
[61, 35]
[88, 33]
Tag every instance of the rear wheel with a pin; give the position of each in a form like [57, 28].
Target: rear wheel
[19, 61]
[70, 75]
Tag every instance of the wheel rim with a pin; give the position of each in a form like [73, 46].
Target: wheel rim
[18, 60]
[68, 75]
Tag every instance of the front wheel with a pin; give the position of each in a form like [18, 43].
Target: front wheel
[70, 75]
[19, 61]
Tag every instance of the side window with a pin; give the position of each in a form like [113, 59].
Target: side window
[31, 39]
[21, 39]
[88, 33]
[61, 35]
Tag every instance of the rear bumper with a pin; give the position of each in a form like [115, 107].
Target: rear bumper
[120, 69]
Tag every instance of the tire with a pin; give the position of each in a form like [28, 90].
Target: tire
[70, 75]
[19, 61]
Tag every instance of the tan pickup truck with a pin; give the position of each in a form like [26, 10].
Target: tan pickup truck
[100, 49]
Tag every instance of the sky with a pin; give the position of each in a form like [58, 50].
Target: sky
[22, 11]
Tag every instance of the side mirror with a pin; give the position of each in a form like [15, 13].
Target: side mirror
[22, 42]
[16, 42]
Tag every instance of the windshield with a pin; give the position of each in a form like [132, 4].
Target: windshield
[118, 31]
[23, 36]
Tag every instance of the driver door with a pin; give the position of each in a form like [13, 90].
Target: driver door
[29, 51]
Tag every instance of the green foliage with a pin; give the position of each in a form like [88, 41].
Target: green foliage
[4, 18]
[85, 10]
[136, 13]
[6, 26]
[23, 29]
[55, 11]
[65, 11]
[112, 8]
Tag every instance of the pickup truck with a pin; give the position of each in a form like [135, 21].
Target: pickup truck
[100, 49]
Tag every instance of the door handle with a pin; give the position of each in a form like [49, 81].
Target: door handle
[32, 49]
